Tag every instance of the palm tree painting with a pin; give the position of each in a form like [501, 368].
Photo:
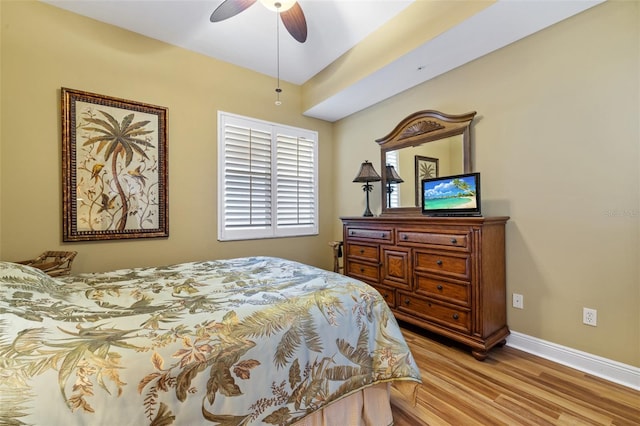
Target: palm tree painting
[117, 187]
[425, 168]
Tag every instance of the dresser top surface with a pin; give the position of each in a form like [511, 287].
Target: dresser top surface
[465, 220]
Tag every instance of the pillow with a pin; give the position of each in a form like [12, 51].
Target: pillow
[15, 273]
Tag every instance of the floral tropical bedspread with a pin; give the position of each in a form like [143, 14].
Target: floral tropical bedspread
[245, 341]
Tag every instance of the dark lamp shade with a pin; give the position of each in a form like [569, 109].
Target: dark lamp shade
[392, 176]
[367, 173]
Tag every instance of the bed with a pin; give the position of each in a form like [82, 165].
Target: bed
[247, 341]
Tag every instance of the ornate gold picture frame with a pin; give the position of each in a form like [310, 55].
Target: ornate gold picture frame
[114, 168]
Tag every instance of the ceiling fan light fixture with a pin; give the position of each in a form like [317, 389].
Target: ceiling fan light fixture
[278, 5]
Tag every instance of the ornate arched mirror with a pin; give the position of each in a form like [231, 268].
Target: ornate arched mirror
[425, 144]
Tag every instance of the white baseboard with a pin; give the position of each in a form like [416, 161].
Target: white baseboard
[607, 369]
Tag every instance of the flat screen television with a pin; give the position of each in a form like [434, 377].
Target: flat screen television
[457, 195]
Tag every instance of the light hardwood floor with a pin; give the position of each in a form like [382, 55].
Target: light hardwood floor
[510, 387]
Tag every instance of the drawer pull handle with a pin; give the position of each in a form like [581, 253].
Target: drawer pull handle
[361, 251]
[454, 241]
[383, 235]
[405, 237]
[439, 287]
[439, 262]
[456, 316]
[406, 301]
[351, 232]
[361, 269]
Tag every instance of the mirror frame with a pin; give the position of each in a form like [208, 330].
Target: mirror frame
[419, 128]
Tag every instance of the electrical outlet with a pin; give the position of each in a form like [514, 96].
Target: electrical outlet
[590, 316]
[518, 301]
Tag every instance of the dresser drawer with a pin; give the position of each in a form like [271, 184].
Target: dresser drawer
[396, 266]
[443, 263]
[388, 295]
[362, 270]
[375, 234]
[457, 239]
[452, 292]
[361, 251]
[452, 317]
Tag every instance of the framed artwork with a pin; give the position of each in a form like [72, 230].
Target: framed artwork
[114, 168]
[425, 168]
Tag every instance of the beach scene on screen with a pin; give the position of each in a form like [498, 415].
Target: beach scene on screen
[457, 193]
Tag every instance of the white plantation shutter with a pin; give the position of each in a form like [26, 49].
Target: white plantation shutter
[247, 195]
[295, 172]
[267, 179]
[392, 160]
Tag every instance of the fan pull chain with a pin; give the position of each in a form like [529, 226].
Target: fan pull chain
[278, 89]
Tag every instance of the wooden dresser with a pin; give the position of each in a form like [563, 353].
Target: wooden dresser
[446, 275]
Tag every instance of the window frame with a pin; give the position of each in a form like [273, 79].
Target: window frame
[273, 229]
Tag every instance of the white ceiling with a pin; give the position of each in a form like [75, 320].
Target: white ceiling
[334, 26]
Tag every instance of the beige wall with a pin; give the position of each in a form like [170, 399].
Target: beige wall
[557, 143]
[44, 49]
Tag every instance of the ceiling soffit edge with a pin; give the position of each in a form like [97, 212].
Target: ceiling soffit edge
[415, 26]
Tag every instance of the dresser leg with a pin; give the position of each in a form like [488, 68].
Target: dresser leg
[480, 355]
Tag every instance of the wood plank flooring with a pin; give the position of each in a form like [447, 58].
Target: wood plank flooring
[510, 387]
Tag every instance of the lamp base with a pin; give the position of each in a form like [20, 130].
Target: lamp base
[367, 188]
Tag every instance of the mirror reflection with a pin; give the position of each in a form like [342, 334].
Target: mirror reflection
[425, 144]
[437, 158]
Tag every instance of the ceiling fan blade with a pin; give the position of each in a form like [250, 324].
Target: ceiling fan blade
[294, 21]
[229, 8]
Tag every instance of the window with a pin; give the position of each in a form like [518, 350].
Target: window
[267, 179]
[393, 200]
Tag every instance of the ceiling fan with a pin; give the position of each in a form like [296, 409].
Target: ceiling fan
[289, 10]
